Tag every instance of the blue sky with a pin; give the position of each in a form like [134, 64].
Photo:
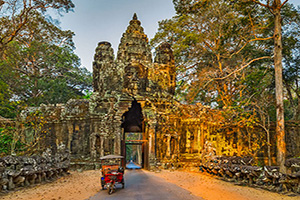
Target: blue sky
[106, 20]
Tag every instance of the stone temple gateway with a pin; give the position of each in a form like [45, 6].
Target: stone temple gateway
[125, 95]
[130, 93]
[133, 105]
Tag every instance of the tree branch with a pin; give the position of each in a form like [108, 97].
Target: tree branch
[264, 5]
[283, 3]
[243, 67]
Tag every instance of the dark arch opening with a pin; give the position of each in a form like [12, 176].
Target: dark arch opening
[133, 118]
[133, 126]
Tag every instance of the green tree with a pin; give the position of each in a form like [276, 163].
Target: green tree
[41, 57]
[213, 41]
[7, 107]
[217, 44]
[8, 143]
[220, 48]
[275, 7]
[16, 16]
[291, 60]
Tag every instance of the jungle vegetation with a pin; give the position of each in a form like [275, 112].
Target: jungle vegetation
[240, 57]
[37, 66]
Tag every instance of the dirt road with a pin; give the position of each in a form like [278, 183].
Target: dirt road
[141, 185]
[85, 185]
[210, 188]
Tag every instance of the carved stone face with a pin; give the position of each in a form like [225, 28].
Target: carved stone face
[132, 79]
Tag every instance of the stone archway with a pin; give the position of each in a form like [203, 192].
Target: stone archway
[133, 127]
[132, 120]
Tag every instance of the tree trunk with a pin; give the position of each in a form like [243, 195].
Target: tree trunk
[269, 148]
[297, 117]
[281, 146]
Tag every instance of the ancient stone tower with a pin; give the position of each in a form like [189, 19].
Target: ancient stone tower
[129, 93]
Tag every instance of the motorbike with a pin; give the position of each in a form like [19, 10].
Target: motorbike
[112, 173]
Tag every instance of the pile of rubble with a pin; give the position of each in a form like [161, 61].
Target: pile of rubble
[24, 171]
[241, 171]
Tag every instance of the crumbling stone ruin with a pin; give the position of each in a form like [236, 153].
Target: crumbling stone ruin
[134, 94]
[24, 171]
[241, 171]
[131, 92]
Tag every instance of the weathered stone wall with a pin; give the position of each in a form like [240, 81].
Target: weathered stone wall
[24, 171]
[65, 123]
[185, 141]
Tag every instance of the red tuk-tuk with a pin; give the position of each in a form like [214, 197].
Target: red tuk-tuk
[112, 172]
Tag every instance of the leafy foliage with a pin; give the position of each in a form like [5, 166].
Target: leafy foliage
[37, 65]
[16, 16]
[219, 46]
[291, 60]
[224, 56]
[39, 55]
[213, 41]
[25, 135]
[7, 139]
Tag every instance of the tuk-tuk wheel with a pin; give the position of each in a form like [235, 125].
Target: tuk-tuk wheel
[110, 190]
[123, 184]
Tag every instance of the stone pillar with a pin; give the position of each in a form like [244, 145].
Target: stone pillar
[101, 145]
[188, 141]
[117, 144]
[199, 139]
[168, 154]
[58, 134]
[151, 142]
[93, 149]
[118, 137]
[70, 134]
[138, 150]
[178, 145]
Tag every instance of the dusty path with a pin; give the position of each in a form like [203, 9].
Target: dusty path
[211, 188]
[84, 185]
[142, 185]
[77, 186]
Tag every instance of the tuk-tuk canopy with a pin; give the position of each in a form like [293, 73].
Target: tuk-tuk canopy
[111, 157]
